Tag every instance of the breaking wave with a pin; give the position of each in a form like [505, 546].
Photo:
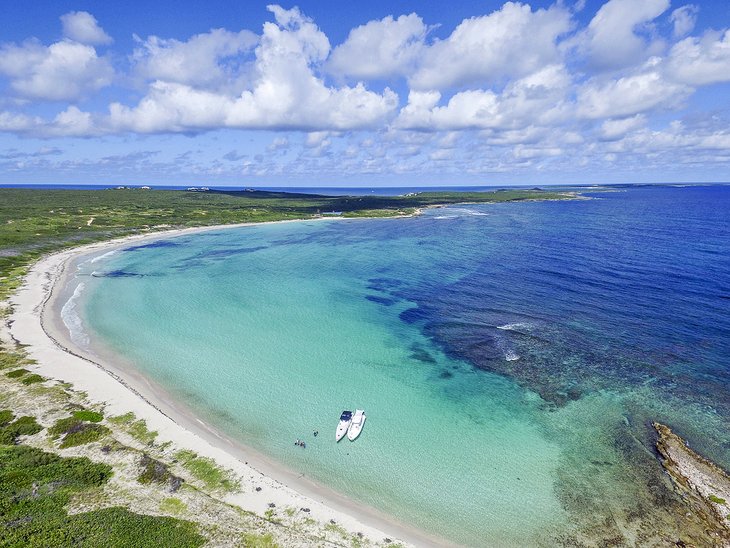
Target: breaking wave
[514, 326]
[72, 320]
[104, 256]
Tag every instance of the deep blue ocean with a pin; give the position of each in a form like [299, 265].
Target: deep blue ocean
[511, 356]
[343, 191]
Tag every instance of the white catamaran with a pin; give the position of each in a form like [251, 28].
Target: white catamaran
[356, 424]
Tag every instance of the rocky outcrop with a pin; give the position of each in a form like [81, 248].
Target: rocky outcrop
[703, 485]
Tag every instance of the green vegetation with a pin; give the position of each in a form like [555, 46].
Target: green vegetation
[62, 426]
[89, 416]
[25, 376]
[173, 505]
[251, 540]
[716, 500]
[35, 486]
[10, 431]
[154, 471]
[122, 420]
[85, 433]
[120, 527]
[333, 527]
[6, 415]
[36, 221]
[32, 379]
[135, 428]
[77, 432]
[25, 426]
[270, 515]
[206, 470]
[139, 431]
[12, 359]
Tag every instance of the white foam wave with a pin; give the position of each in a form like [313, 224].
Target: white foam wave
[104, 255]
[514, 326]
[467, 211]
[509, 354]
[72, 320]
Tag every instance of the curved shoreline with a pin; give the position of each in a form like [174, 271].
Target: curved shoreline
[36, 323]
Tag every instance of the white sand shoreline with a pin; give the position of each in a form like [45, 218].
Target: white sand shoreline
[36, 323]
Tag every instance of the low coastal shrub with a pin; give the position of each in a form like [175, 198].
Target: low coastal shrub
[84, 433]
[77, 432]
[716, 500]
[206, 470]
[23, 426]
[120, 527]
[6, 415]
[135, 428]
[32, 379]
[122, 420]
[252, 540]
[89, 416]
[154, 471]
[11, 359]
[40, 485]
[52, 475]
[17, 373]
[61, 426]
[139, 431]
[6, 438]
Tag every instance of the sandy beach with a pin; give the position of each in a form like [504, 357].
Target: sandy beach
[36, 323]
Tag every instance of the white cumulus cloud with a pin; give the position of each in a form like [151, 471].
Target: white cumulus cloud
[381, 48]
[63, 71]
[511, 42]
[632, 94]
[535, 99]
[83, 27]
[211, 58]
[616, 129]
[512, 88]
[701, 61]
[285, 91]
[611, 40]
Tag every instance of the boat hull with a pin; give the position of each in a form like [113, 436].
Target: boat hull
[358, 421]
[342, 429]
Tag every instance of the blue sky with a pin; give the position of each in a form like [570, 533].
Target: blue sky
[333, 93]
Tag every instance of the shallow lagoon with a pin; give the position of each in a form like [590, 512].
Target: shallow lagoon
[509, 356]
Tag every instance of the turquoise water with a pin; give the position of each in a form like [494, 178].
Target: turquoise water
[509, 357]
